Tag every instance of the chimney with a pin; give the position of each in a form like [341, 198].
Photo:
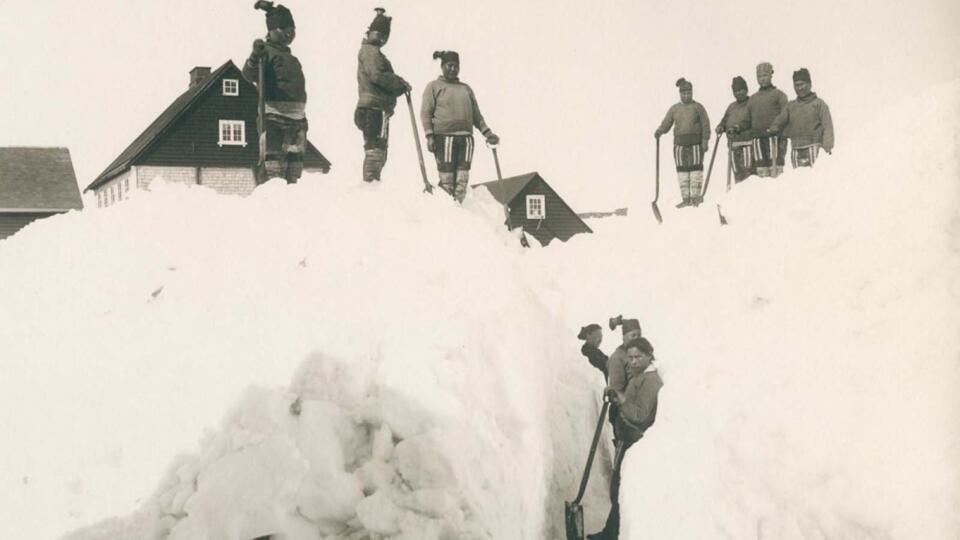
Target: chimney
[198, 74]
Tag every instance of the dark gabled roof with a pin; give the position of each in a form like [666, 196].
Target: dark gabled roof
[158, 127]
[182, 106]
[505, 190]
[37, 179]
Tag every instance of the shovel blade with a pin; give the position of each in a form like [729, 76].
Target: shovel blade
[723, 220]
[574, 521]
[656, 212]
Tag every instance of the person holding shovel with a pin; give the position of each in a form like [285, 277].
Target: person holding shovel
[378, 88]
[736, 124]
[806, 122]
[691, 140]
[449, 112]
[284, 95]
[637, 405]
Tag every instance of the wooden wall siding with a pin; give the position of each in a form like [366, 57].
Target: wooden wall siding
[12, 222]
[561, 221]
[194, 138]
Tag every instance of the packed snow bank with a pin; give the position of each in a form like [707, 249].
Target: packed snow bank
[809, 349]
[429, 398]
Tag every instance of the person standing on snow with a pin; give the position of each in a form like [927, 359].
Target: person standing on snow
[378, 88]
[691, 140]
[637, 404]
[806, 122]
[764, 105]
[285, 97]
[736, 124]
[592, 335]
[449, 112]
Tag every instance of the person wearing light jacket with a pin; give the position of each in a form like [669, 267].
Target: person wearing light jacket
[449, 112]
[691, 140]
[736, 124]
[765, 104]
[378, 88]
[806, 122]
[637, 404]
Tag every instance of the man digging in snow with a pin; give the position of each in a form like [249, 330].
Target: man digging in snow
[285, 97]
[378, 87]
[449, 112]
[691, 140]
[736, 124]
[637, 404]
[764, 105]
[806, 122]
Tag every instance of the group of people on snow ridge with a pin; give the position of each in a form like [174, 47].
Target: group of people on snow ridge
[633, 385]
[449, 109]
[757, 128]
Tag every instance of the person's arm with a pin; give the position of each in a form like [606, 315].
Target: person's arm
[827, 122]
[478, 120]
[616, 371]
[375, 66]
[704, 127]
[251, 68]
[722, 126]
[428, 105]
[780, 121]
[666, 124]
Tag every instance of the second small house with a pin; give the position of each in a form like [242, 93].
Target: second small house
[207, 136]
[533, 205]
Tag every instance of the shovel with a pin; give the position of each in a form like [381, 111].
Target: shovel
[656, 211]
[573, 512]
[416, 138]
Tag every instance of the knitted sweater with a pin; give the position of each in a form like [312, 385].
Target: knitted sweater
[765, 104]
[450, 108]
[738, 114]
[639, 406]
[691, 124]
[378, 86]
[806, 121]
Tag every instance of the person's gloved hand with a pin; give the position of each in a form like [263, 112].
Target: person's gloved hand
[657, 133]
[720, 129]
[406, 86]
[431, 143]
[611, 395]
[704, 147]
[492, 139]
[259, 48]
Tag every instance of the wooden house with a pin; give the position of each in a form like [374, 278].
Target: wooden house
[535, 206]
[35, 183]
[207, 136]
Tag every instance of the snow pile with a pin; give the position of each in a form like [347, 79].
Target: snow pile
[809, 349]
[433, 401]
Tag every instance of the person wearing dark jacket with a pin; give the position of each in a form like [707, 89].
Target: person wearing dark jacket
[736, 124]
[806, 122]
[284, 94]
[592, 335]
[378, 88]
[449, 112]
[637, 403]
[691, 140]
[764, 105]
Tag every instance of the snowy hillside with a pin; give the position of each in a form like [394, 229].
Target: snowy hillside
[331, 360]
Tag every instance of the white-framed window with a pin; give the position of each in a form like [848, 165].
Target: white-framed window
[126, 184]
[232, 132]
[231, 87]
[536, 207]
[110, 190]
[100, 198]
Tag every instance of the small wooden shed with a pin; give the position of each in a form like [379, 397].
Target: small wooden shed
[35, 183]
[536, 207]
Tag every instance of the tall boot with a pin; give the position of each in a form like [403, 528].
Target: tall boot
[696, 185]
[448, 182]
[373, 161]
[684, 179]
[463, 179]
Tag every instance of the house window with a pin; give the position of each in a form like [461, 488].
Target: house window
[126, 184]
[536, 207]
[231, 87]
[111, 194]
[100, 199]
[232, 132]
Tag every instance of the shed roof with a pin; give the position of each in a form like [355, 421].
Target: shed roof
[37, 179]
[505, 190]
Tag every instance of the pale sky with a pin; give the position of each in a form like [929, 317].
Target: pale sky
[574, 89]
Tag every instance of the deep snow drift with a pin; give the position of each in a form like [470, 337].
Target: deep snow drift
[398, 367]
